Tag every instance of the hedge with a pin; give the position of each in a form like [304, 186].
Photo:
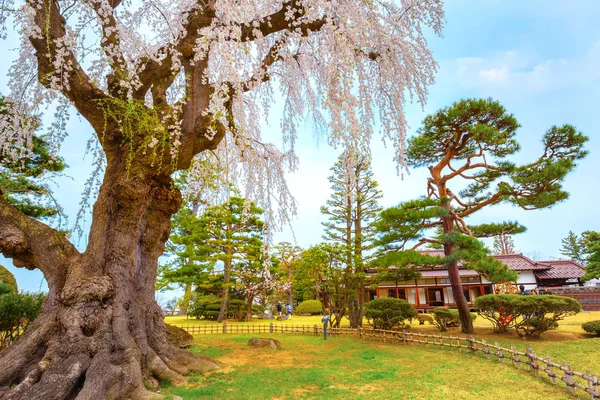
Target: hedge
[592, 327]
[312, 307]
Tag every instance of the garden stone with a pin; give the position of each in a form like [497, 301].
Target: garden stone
[179, 337]
[264, 342]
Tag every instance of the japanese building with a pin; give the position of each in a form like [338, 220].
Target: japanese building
[433, 288]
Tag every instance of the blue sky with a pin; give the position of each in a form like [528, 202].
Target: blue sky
[538, 58]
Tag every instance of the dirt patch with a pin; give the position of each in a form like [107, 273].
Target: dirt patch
[266, 358]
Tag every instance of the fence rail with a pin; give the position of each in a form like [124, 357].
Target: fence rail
[539, 366]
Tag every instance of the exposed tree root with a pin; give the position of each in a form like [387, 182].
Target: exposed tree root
[78, 359]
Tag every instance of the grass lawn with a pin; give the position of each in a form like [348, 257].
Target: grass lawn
[345, 368]
[306, 367]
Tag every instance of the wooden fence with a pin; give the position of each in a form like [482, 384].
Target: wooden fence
[539, 366]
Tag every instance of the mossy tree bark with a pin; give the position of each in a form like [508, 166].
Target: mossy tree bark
[100, 333]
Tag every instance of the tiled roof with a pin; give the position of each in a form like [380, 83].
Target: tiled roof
[561, 269]
[519, 262]
[553, 269]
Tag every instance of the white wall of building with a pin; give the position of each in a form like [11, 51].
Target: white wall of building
[527, 279]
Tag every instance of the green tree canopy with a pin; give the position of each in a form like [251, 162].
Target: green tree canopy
[24, 178]
[573, 248]
[471, 142]
[8, 279]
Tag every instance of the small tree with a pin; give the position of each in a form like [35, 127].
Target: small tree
[542, 313]
[572, 248]
[499, 309]
[388, 313]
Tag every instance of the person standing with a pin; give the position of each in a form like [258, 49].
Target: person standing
[288, 308]
[279, 308]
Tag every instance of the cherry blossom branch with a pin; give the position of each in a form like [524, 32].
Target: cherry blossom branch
[57, 66]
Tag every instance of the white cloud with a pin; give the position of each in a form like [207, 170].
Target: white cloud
[520, 72]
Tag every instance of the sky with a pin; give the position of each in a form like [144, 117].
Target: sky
[537, 58]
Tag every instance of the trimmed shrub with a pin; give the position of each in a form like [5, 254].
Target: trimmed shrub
[311, 307]
[387, 313]
[446, 318]
[236, 309]
[199, 306]
[529, 315]
[592, 327]
[499, 309]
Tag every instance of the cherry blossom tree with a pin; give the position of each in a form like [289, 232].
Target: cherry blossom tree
[167, 86]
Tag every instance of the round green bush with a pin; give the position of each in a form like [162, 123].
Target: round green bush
[386, 313]
[592, 327]
[312, 307]
[7, 278]
[446, 318]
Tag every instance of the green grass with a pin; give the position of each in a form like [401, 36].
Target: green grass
[306, 367]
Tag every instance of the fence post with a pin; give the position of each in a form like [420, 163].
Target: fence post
[470, 338]
[588, 377]
[515, 357]
[569, 378]
[404, 338]
[499, 353]
[316, 330]
[224, 327]
[551, 375]
[271, 327]
[531, 360]
[486, 349]
[595, 384]
[358, 332]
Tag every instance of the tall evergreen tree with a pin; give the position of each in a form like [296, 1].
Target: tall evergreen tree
[352, 210]
[230, 233]
[572, 248]
[471, 141]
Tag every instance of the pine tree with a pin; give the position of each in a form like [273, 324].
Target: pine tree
[471, 141]
[352, 210]
[230, 233]
[572, 248]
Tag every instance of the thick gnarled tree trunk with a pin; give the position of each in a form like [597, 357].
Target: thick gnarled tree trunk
[100, 333]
